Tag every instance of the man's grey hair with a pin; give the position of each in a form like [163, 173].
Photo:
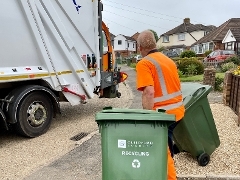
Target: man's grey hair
[147, 40]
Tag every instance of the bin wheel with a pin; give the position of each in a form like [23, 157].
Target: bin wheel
[203, 159]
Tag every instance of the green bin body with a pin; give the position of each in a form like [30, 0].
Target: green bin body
[196, 133]
[134, 144]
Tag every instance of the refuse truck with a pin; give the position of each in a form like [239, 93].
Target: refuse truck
[52, 51]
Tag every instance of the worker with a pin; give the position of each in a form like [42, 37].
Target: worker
[157, 78]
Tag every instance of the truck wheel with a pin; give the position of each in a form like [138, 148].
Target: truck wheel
[203, 159]
[34, 114]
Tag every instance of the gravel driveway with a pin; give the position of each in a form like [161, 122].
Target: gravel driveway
[225, 160]
[20, 157]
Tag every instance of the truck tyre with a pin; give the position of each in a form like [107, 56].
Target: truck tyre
[34, 114]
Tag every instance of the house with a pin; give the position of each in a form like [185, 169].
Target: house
[219, 38]
[124, 45]
[183, 36]
[231, 40]
[135, 36]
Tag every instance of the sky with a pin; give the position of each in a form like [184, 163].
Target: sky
[130, 16]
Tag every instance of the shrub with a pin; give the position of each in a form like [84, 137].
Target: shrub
[185, 65]
[228, 66]
[179, 60]
[133, 65]
[191, 69]
[188, 54]
[180, 73]
[200, 58]
[234, 59]
[218, 86]
[161, 48]
[207, 52]
[236, 71]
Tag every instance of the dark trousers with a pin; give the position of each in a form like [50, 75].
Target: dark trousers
[170, 137]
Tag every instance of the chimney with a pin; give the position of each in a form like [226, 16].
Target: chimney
[186, 21]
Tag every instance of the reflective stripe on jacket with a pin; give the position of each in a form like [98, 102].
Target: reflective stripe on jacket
[165, 95]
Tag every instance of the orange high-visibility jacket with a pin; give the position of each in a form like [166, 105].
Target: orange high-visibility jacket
[159, 71]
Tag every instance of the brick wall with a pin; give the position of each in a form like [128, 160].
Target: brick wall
[231, 93]
[219, 45]
[135, 36]
[209, 76]
[227, 88]
[124, 53]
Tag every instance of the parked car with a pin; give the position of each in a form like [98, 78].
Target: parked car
[171, 54]
[219, 55]
[138, 58]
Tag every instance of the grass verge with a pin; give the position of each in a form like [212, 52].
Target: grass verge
[198, 78]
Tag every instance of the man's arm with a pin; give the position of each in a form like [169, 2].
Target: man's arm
[148, 97]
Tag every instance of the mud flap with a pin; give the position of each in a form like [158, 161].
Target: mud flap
[111, 92]
[3, 122]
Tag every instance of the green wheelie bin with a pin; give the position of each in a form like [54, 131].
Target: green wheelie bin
[134, 143]
[196, 133]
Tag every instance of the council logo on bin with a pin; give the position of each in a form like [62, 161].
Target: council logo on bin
[122, 143]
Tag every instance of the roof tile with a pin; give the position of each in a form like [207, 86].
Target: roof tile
[219, 33]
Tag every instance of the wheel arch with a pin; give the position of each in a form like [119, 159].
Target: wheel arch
[17, 95]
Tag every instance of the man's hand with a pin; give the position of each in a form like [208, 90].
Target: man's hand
[148, 97]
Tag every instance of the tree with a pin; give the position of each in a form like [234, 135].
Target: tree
[155, 35]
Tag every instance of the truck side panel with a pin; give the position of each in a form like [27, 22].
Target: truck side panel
[54, 35]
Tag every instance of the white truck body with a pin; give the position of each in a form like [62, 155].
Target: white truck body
[46, 39]
[54, 44]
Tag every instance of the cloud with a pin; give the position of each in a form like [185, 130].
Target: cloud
[130, 16]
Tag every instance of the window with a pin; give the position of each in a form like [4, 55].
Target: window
[165, 38]
[215, 53]
[211, 54]
[119, 42]
[225, 52]
[133, 45]
[207, 46]
[128, 44]
[229, 46]
[194, 48]
[181, 37]
[211, 46]
[203, 47]
[238, 48]
[200, 49]
[178, 50]
[205, 33]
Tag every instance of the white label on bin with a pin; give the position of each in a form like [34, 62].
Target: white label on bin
[136, 163]
[135, 153]
[122, 143]
[137, 144]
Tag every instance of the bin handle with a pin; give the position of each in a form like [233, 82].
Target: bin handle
[197, 92]
[126, 112]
